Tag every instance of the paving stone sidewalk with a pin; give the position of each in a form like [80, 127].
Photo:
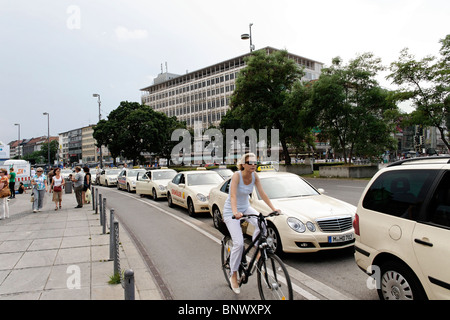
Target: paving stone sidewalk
[64, 255]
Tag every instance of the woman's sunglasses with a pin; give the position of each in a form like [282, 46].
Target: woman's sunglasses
[251, 162]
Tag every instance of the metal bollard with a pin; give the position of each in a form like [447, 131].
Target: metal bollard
[101, 208]
[96, 201]
[129, 284]
[104, 216]
[116, 248]
[93, 198]
[111, 234]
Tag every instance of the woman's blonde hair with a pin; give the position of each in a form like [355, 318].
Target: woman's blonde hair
[240, 163]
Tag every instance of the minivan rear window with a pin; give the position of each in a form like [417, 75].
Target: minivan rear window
[400, 193]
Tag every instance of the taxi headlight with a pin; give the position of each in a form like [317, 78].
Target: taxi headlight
[311, 227]
[296, 224]
[161, 187]
[201, 197]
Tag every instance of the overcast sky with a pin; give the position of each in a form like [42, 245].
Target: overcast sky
[55, 54]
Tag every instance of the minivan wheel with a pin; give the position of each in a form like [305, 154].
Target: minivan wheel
[399, 283]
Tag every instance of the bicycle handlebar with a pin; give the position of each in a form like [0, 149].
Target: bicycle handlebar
[272, 214]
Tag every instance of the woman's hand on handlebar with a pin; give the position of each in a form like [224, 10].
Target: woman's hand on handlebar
[237, 215]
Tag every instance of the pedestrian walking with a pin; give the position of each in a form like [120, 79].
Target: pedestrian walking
[12, 182]
[39, 182]
[4, 193]
[78, 186]
[86, 184]
[57, 185]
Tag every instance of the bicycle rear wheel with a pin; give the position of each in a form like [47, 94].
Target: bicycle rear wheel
[274, 282]
[227, 245]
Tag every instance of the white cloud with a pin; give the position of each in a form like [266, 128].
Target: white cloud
[123, 34]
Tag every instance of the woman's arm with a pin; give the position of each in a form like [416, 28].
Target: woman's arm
[233, 199]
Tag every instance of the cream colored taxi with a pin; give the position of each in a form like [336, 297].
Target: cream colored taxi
[108, 177]
[154, 182]
[402, 230]
[190, 189]
[127, 179]
[310, 221]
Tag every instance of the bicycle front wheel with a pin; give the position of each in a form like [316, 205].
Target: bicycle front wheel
[274, 282]
[227, 245]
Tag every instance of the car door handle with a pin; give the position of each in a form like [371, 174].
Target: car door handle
[425, 243]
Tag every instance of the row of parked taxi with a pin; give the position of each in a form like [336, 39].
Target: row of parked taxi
[311, 221]
[400, 228]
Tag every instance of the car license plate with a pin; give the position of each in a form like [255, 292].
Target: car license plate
[340, 238]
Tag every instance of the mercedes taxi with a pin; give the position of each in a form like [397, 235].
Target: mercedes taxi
[190, 189]
[108, 177]
[310, 221]
[154, 182]
[127, 179]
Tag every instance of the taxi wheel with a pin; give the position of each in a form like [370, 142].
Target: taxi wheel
[169, 200]
[217, 217]
[128, 188]
[274, 239]
[155, 196]
[191, 209]
[398, 282]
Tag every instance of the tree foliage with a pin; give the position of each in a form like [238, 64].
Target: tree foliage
[427, 83]
[133, 129]
[269, 95]
[353, 112]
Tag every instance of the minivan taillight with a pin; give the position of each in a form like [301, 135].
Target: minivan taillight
[356, 224]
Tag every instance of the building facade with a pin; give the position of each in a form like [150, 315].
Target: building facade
[204, 95]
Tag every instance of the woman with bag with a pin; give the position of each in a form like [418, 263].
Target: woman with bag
[57, 185]
[86, 184]
[4, 193]
[39, 182]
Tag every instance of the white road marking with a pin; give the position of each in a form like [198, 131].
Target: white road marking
[306, 280]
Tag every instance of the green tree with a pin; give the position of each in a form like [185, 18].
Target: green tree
[133, 129]
[269, 95]
[54, 145]
[426, 83]
[353, 112]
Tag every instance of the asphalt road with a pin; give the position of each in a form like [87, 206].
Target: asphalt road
[186, 251]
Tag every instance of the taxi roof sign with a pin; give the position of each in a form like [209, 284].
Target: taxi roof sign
[266, 168]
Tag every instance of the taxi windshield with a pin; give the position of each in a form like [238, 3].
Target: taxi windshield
[204, 178]
[286, 187]
[112, 171]
[133, 173]
[164, 175]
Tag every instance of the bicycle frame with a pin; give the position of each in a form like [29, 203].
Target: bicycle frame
[261, 247]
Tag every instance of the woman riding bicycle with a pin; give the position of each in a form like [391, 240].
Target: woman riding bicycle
[237, 204]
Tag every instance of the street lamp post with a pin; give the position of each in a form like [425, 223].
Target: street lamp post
[247, 36]
[48, 135]
[18, 141]
[96, 95]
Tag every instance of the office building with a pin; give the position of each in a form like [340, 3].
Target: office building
[204, 95]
